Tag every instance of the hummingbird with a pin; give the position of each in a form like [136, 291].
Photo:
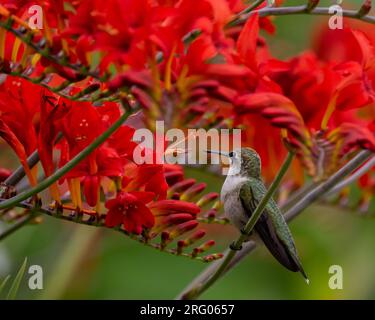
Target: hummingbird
[241, 193]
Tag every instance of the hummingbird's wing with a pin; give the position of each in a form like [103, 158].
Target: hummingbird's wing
[271, 226]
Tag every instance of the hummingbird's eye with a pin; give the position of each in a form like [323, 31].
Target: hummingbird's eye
[232, 154]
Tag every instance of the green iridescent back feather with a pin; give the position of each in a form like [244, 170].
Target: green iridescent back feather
[258, 191]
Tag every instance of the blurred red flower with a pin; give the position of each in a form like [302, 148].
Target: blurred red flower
[129, 209]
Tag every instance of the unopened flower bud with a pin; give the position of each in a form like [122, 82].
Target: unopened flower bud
[182, 185]
[183, 228]
[365, 8]
[209, 197]
[193, 191]
[213, 257]
[204, 247]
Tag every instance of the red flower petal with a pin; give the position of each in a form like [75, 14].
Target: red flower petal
[114, 218]
[144, 197]
[91, 186]
[165, 207]
[137, 218]
[247, 42]
[279, 109]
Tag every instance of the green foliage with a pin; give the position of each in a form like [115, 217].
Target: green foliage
[14, 288]
[3, 284]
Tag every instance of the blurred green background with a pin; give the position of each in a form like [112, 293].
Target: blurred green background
[87, 263]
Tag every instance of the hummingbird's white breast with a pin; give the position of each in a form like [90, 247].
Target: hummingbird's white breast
[230, 196]
[234, 178]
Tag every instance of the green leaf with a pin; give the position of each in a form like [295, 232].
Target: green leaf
[2, 285]
[17, 281]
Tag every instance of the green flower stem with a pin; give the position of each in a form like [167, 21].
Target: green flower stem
[65, 169]
[195, 292]
[98, 224]
[250, 8]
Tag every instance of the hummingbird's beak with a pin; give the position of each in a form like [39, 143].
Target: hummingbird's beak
[225, 154]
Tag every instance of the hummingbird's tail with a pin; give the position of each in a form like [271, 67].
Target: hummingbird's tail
[300, 269]
[278, 249]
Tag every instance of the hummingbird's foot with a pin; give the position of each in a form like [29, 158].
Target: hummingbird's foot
[234, 247]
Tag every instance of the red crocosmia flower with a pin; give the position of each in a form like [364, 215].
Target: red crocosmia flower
[52, 112]
[19, 117]
[167, 207]
[264, 113]
[19, 109]
[120, 30]
[355, 88]
[309, 84]
[312, 100]
[85, 21]
[173, 212]
[109, 112]
[173, 173]
[247, 42]
[352, 136]
[81, 126]
[14, 6]
[122, 142]
[323, 92]
[146, 177]
[129, 209]
[278, 109]
[354, 52]
[18, 148]
[105, 162]
[12, 51]
[341, 45]
[91, 188]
